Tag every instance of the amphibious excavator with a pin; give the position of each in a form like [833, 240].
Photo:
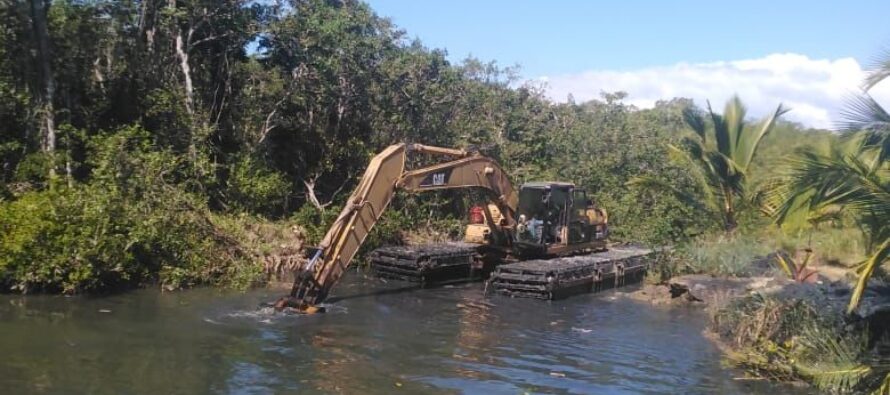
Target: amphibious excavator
[539, 222]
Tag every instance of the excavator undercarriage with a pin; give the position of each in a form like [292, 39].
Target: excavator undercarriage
[428, 263]
[560, 277]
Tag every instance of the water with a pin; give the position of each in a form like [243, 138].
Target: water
[377, 338]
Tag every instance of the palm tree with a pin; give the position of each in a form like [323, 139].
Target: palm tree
[853, 181]
[722, 166]
[856, 179]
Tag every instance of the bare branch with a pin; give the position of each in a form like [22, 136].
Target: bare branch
[313, 198]
[194, 44]
[267, 126]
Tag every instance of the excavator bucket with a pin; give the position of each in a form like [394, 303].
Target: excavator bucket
[296, 305]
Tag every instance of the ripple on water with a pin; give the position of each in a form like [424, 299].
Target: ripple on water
[268, 315]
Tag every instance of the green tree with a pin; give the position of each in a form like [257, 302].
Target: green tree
[722, 166]
[327, 57]
[269, 106]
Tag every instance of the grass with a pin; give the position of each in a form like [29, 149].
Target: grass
[728, 255]
[834, 246]
[748, 254]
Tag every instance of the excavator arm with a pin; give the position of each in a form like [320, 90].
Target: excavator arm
[385, 175]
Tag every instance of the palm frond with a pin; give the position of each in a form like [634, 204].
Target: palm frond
[817, 181]
[864, 117]
[864, 272]
[832, 361]
[734, 118]
[730, 175]
[696, 122]
[884, 388]
[841, 378]
[784, 265]
[773, 198]
[769, 195]
[692, 152]
[880, 70]
[721, 132]
[748, 142]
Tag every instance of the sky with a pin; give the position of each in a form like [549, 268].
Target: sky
[809, 55]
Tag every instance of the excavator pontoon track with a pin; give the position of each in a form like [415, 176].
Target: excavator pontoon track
[561, 277]
[427, 263]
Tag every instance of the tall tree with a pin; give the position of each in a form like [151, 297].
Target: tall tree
[327, 55]
[46, 83]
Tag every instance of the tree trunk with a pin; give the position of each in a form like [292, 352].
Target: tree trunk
[310, 194]
[47, 127]
[186, 74]
[182, 56]
[729, 219]
[313, 198]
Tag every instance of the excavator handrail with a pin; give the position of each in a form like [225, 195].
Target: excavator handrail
[386, 174]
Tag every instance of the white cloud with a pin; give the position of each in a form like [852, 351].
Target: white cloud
[815, 89]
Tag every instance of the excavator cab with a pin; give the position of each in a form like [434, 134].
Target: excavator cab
[556, 217]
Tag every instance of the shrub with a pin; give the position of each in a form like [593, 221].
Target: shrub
[255, 188]
[130, 225]
[33, 168]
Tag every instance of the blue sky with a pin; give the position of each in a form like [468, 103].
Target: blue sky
[567, 42]
[569, 36]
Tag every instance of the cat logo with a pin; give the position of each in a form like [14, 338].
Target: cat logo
[438, 178]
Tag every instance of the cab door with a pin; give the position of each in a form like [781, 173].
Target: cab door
[579, 225]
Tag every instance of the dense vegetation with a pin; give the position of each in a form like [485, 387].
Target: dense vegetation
[135, 136]
[200, 142]
[131, 131]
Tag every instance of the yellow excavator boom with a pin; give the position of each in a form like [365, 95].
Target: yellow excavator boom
[386, 174]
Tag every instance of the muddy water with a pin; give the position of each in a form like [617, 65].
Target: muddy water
[377, 338]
